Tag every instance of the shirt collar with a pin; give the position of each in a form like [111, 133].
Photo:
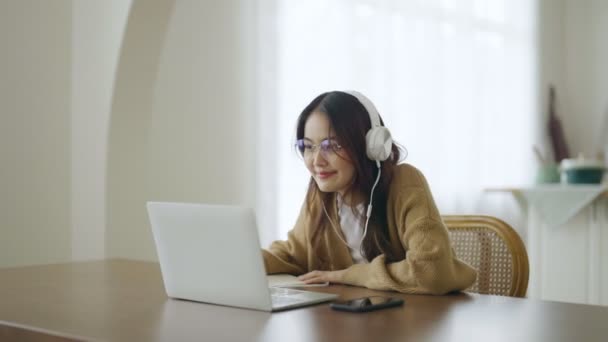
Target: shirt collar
[340, 204]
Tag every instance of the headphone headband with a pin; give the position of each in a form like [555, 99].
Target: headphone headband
[369, 106]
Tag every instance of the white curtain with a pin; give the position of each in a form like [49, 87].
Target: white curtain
[454, 80]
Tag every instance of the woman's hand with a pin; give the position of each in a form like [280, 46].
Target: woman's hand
[322, 277]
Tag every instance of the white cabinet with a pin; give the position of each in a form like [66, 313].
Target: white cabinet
[567, 244]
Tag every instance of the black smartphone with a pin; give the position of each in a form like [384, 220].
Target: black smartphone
[366, 304]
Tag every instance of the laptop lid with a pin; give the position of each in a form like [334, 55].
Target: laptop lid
[210, 253]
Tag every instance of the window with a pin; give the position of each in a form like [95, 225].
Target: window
[455, 82]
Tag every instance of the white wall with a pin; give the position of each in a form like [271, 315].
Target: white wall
[551, 58]
[183, 118]
[574, 58]
[201, 144]
[127, 232]
[58, 65]
[585, 100]
[35, 62]
[97, 32]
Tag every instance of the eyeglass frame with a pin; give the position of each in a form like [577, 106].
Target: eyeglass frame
[332, 148]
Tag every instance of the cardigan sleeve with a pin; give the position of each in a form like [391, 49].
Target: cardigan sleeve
[289, 256]
[430, 266]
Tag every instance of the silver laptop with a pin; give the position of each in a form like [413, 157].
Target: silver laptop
[211, 254]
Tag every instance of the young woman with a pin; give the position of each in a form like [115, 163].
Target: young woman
[366, 221]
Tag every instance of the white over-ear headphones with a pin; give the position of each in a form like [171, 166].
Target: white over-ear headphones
[378, 139]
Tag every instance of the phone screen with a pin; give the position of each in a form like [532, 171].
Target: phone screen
[367, 303]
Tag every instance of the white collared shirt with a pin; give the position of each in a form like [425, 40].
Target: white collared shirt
[352, 228]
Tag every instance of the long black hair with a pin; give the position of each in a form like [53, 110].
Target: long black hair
[350, 122]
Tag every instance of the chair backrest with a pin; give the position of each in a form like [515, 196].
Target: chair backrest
[495, 249]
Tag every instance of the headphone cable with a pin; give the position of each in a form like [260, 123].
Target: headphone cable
[368, 214]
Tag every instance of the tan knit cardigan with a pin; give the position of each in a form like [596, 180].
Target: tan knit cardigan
[417, 234]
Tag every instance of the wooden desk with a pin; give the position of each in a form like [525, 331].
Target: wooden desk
[120, 300]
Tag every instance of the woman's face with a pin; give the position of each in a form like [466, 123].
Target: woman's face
[331, 172]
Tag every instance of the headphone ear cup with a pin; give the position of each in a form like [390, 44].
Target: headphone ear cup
[378, 143]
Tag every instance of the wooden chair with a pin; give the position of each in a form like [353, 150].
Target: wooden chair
[493, 248]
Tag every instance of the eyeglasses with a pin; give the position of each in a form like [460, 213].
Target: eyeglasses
[328, 147]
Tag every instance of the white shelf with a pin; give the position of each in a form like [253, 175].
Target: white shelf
[557, 203]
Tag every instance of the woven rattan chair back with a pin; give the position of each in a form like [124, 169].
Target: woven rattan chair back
[495, 249]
